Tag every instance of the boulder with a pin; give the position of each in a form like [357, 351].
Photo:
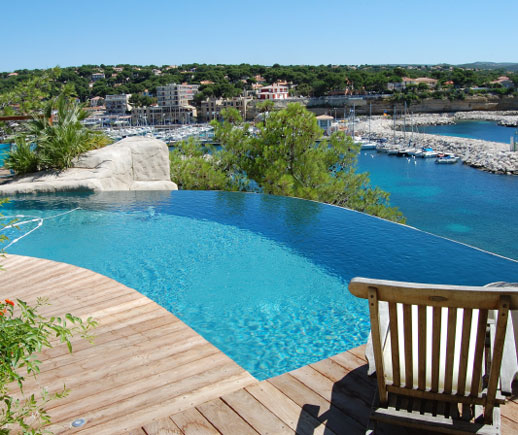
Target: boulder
[134, 163]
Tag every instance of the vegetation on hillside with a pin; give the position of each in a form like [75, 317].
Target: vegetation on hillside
[284, 156]
[231, 80]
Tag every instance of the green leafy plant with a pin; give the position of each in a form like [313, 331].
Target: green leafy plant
[22, 159]
[59, 136]
[23, 333]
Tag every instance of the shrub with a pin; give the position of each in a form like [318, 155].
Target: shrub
[57, 143]
[22, 159]
[24, 332]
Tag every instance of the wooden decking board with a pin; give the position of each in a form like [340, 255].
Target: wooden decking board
[287, 410]
[313, 403]
[224, 418]
[132, 376]
[179, 403]
[162, 426]
[192, 422]
[256, 414]
[146, 388]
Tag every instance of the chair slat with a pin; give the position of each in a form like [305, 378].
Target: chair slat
[407, 329]
[479, 352]
[450, 348]
[421, 349]
[464, 348]
[394, 343]
[376, 343]
[498, 348]
[436, 342]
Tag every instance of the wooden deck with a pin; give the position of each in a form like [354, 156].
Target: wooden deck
[150, 374]
[145, 362]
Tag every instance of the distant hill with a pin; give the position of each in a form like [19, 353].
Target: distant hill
[506, 66]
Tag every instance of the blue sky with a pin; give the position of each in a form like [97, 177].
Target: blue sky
[41, 34]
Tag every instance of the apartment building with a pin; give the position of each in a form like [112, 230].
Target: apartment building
[175, 95]
[211, 108]
[117, 104]
[156, 115]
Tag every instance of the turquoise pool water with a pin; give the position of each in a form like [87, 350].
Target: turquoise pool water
[4, 149]
[263, 278]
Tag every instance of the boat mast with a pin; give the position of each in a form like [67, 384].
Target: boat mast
[370, 114]
[394, 127]
[404, 125]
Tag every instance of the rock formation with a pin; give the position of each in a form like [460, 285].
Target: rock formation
[134, 163]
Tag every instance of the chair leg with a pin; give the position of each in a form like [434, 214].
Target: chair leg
[371, 427]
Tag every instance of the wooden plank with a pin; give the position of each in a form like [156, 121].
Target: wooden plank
[192, 422]
[435, 295]
[313, 403]
[407, 331]
[348, 360]
[287, 410]
[146, 386]
[256, 414]
[498, 348]
[354, 384]
[436, 348]
[450, 349]
[376, 343]
[350, 398]
[162, 426]
[479, 352]
[464, 350]
[421, 347]
[394, 344]
[166, 400]
[224, 419]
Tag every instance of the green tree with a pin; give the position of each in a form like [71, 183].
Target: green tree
[285, 156]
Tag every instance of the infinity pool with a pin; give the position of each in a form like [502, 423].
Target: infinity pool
[263, 278]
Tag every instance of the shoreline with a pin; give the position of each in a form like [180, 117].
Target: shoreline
[494, 157]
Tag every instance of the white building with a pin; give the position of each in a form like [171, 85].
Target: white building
[273, 92]
[211, 108]
[117, 104]
[175, 95]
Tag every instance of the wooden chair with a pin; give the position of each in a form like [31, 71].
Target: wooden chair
[436, 368]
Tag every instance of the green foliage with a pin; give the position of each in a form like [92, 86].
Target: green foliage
[23, 333]
[57, 142]
[195, 167]
[22, 159]
[286, 156]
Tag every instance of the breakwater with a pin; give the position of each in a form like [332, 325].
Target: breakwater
[489, 156]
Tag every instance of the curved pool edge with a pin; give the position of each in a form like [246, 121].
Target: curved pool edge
[141, 351]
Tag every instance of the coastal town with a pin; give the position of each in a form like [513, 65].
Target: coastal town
[362, 102]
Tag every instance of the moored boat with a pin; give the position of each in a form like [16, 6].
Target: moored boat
[446, 159]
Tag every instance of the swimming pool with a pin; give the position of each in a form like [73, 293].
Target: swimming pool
[263, 278]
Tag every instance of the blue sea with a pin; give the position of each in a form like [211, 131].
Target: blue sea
[453, 201]
[485, 130]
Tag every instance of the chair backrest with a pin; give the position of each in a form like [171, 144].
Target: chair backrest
[436, 339]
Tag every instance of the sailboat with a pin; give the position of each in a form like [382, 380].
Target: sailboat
[369, 145]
